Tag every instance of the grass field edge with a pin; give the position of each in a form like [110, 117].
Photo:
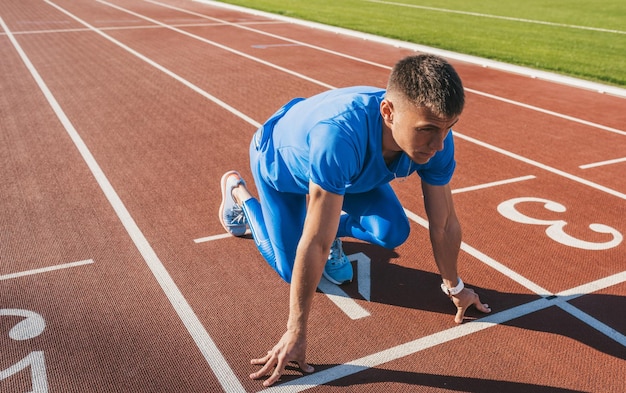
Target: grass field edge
[487, 63]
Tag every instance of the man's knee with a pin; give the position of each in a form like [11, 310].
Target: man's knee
[396, 235]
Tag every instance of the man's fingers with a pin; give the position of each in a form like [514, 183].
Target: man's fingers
[271, 361]
[268, 363]
[262, 360]
[483, 307]
[460, 313]
[278, 371]
[475, 301]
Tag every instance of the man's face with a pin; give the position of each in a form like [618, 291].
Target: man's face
[416, 130]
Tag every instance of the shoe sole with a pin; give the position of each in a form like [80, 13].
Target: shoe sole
[223, 188]
[326, 276]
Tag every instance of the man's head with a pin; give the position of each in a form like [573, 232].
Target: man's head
[428, 81]
[424, 100]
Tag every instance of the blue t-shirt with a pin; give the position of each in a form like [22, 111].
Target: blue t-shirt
[335, 140]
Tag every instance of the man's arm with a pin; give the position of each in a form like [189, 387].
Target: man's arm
[320, 229]
[445, 236]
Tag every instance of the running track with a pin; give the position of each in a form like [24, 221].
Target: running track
[118, 119]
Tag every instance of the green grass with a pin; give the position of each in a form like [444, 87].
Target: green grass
[598, 56]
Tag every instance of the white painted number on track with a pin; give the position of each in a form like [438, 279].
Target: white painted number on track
[554, 228]
[30, 327]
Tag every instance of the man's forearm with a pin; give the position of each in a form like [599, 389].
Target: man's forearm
[446, 244]
[307, 273]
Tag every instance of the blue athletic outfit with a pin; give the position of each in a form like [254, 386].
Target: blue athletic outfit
[333, 139]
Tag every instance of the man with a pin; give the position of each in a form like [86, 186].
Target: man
[342, 148]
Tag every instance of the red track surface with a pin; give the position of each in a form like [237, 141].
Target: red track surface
[118, 119]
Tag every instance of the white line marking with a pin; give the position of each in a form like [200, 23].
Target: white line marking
[594, 286]
[45, 269]
[481, 15]
[594, 323]
[364, 275]
[36, 362]
[207, 347]
[348, 305]
[260, 46]
[493, 184]
[341, 299]
[548, 112]
[602, 163]
[110, 28]
[214, 237]
[543, 166]
[261, 32]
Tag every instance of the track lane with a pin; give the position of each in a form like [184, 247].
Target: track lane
[162, 232]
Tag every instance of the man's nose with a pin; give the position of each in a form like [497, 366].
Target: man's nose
[436, 142]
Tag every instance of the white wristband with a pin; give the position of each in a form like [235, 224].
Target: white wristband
[453, 291]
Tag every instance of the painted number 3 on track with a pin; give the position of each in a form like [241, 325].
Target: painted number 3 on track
[554, 228]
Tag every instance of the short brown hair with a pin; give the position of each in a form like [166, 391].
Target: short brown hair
[429, 81]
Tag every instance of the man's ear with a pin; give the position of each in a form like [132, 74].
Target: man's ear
[386, 110]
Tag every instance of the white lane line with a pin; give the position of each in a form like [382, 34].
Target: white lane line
[109, 28]
[265, 46]
[509, 18]
[215, 359]
[218, 45]
[261, 32]
[543, 166]
[591, 321]
[493, 184]
[412, 347]
[603, 163]
[548, 112]
[45, 269]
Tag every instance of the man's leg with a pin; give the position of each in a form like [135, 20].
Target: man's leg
[276, 220]
[376, 217]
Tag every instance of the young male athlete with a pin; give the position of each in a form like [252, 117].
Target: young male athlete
[342, 148]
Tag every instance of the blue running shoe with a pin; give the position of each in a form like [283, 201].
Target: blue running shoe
[230, 213]
[338, 269]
